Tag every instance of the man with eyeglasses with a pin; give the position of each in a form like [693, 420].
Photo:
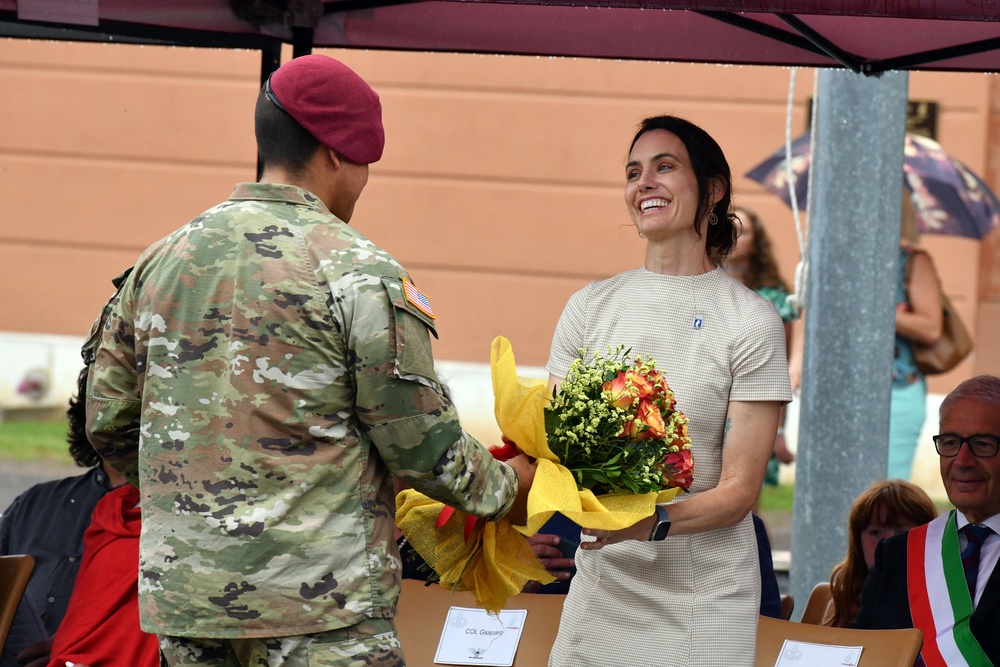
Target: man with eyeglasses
[942, 577]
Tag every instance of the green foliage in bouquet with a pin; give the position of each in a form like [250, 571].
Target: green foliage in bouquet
[615, 426]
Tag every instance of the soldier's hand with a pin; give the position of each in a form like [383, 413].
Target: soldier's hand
[525, 468]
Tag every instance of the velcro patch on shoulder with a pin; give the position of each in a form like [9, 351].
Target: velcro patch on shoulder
[406, 297]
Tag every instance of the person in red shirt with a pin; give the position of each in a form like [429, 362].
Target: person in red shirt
[101, 627]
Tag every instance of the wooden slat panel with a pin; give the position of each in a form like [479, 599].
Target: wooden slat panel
[51, 289]
[104, 203]
[127, 117]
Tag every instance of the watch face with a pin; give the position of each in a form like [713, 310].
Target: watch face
[662, 524]
[661, 531]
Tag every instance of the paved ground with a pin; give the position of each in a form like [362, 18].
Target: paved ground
[779, 529]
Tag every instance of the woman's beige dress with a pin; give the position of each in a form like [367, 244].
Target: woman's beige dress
[691, 599]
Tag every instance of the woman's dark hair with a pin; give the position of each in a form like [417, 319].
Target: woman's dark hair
[762, 268]
[79, 444]
[708, 162]
[281, 141]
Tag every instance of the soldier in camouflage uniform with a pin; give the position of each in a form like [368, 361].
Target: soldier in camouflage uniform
[260, 376]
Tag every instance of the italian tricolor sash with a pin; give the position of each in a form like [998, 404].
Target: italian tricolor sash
[940, 603]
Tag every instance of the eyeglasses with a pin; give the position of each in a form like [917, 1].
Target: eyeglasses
[981, 446]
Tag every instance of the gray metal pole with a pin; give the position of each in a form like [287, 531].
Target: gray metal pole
[857, 180]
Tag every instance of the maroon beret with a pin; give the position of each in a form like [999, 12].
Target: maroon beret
[333, 104]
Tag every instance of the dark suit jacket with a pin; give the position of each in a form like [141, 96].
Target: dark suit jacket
[885, 605]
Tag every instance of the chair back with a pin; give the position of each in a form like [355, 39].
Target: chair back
[881, 648]
[787, 607]
[816, 605]
[14, 574]
[422, 610]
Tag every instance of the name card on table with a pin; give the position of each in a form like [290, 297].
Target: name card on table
[473, 637]
[796, 654]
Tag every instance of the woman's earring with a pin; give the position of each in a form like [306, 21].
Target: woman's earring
[713, 219]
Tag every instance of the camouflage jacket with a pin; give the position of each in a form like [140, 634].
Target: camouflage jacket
[258, 376]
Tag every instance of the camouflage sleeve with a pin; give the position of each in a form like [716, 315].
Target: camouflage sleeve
[404, 409]
[113, 399]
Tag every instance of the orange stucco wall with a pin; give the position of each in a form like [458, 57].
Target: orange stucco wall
[500, 187]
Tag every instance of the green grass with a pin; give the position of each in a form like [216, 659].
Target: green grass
[31, 440]
[777, 498]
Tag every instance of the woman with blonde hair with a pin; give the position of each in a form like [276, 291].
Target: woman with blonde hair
[918, 321]
[884, 509]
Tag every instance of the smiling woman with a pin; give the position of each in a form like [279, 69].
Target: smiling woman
[682, 584]
[670, 197]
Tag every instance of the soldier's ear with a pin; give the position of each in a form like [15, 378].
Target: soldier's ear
[335, 159]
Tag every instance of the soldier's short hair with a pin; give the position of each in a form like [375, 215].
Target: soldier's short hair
[281, 141]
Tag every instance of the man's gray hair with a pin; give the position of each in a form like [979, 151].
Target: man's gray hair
[984, 388]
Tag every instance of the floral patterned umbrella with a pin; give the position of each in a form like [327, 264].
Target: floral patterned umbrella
[948, 197]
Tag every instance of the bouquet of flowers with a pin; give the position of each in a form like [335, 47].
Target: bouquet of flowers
[616, 427]
[609, 444]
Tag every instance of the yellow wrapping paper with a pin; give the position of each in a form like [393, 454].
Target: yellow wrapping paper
[494, 563]
[497, 561]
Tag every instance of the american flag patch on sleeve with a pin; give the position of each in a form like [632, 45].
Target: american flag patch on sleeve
[417, 298]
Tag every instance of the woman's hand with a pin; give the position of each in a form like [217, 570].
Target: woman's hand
[640, 530]
[781, 450]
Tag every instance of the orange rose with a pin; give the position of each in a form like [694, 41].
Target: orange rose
[621, 397]
[643, 387]
[663, 392]
[682, 430]
[648, 423]
[651, 417]
[658, 383]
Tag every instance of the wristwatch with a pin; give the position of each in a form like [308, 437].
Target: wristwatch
[662, 525]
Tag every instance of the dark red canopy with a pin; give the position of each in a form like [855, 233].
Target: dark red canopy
[869, 36]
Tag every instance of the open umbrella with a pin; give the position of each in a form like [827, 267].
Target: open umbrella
[947, 196]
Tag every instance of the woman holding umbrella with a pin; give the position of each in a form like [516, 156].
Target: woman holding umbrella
[681, 587]
[918, 321]
[952, 200]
